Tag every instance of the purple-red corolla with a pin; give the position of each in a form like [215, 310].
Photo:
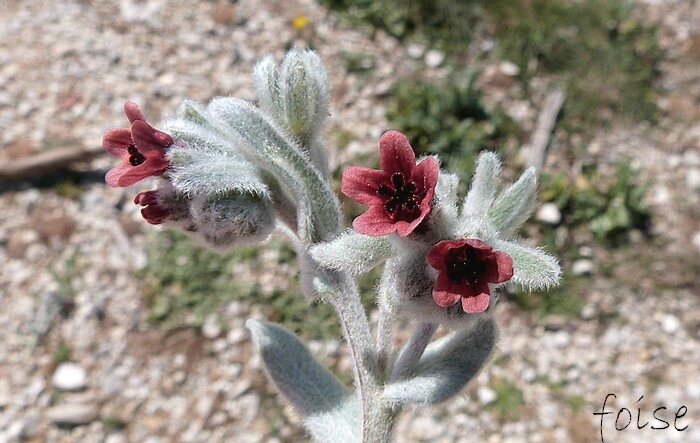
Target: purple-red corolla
[153, 210]
[140, 147]
[399, 195]
[465, 269]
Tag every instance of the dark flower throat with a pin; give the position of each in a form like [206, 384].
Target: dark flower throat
[463, 265]
[400, 198]
[135, 157]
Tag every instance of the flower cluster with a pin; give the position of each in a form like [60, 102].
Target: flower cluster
[217, 217]
[401, 197]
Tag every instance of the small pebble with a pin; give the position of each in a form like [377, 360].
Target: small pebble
[72, 414]
[415, 50]
[670, 324]
[549, 214]
[486, 395]
[69, 377]
[434, 58]
[582, 267]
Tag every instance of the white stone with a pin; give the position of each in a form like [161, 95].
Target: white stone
[661, 195]
[434, 58]
[509, 68]
[529, 375]
[211, 328]
[588, 312]
[561, 339]
[415, 50]
[585, 251]
[72, 414]
[486, 395]
[237, 335]
[582, 267]
[69, 377]
[549, 213]
[692, 179]
[696, 240]
[670, 324]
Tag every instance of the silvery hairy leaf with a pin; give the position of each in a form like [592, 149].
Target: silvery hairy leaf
[532, 267]
[272, 151]
[484, 184]
[515, 204]
[196, 170]
[329, 411]
[199, 136]
[265, 75]
[194, 112]
[352, 252]
[445, 211]
[446, 366]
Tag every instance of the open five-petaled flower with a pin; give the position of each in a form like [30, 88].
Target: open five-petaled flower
[465, 269]
[141, 148]
[399, 195]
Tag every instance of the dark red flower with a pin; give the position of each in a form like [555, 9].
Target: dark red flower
[154, 212]
[465, 269]
[399, 195]
[140, 147]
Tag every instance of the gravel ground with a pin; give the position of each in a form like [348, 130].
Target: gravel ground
[66, 68]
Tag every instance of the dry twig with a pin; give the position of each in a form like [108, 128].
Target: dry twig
[46, 162]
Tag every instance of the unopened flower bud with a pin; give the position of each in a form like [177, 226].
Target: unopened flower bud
[304, 90]
[232, 219]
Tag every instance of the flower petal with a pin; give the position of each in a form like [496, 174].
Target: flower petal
[361, 184]
[149, 141]
[126, 175]
[396, 153]
[405, 228]
[444, 293]
[374, 222]
[437, 254]
[133, 112]
[155, 214]
[478, 244]
[425, 174]
[146, 198]
[117, 141]
[505, 267]
[115, 176]
[476, 304]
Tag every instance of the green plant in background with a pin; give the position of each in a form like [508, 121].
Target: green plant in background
[509, 400]
[449, 118]
[182, 278]
[443, 23]
[566, 300]
[608, 206]
[61, 353]
[607, 59]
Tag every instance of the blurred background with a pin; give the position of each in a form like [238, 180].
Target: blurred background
[112, 331]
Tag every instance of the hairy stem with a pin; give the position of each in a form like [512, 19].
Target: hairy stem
[385, 334]
[355, 325]
[413, 350]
